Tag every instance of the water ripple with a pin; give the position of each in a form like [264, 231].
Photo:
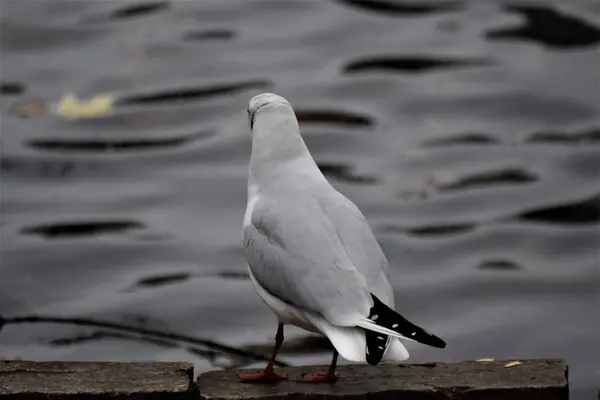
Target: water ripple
[510, 176]
[414, 64]
[234, 275]
[589, 136]
[162, 279]
[499, 265]
[334, 117]
[462, 139]
[112, 145]
[12, 88]
[191, 94]
[432, 230]
[403, 8]
[135, 10]
[213, 34]
[81, 228]
[344, 173]
[549, 27]
[586, 211]
[50, 168]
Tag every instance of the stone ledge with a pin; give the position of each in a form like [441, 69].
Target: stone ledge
[96, 380]
[469, 380]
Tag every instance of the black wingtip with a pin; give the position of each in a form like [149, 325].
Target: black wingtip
[390, 319]
[433, 341]
[437, 342]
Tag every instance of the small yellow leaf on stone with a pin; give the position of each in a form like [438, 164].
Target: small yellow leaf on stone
[485, 360]
[512, 364]
[70, 107]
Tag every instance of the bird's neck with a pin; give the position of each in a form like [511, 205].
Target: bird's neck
[277, 146]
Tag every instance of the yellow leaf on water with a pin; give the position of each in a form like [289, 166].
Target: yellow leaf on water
[485, 360]
[512, 364]
[70, 107]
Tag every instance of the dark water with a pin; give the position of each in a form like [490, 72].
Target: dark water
[468, 133]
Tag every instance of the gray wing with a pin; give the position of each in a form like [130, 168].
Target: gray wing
[360, 243]
[296, 253]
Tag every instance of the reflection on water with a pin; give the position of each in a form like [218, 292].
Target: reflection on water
[462, 139]
[80, 228]
[11, 88]
[467, 132]
[110, 145]
[586, 211]
[344, 173]
[192, 94]
[163, 279]
[345, 119]
[137, 10]
[402, 8]
[549, 27]
[501, 265]
[410, 64]
[485, 179]
[592, 135]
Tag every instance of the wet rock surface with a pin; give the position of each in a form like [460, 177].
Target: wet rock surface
[96, 380]
[469, 380]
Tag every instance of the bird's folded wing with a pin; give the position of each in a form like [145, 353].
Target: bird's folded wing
[295, 253]
[360, 243]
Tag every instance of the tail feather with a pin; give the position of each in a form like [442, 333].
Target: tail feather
[377, 344]
[385, 321]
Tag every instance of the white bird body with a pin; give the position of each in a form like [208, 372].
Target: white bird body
[311, 255]
[349, 342]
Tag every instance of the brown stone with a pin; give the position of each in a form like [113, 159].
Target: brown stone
[469, 380]
[96, 380]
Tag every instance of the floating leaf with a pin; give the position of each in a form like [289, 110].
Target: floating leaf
[513, 364]
[70, 107]
[485, 360]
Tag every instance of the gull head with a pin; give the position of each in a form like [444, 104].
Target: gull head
[276, 140]
[268, 107]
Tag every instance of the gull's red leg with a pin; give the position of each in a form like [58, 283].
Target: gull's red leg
[320, 377]
[268, 374]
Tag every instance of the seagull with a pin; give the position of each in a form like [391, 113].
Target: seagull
[312, 257]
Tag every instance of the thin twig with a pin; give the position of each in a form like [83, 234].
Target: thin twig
[33, 319]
